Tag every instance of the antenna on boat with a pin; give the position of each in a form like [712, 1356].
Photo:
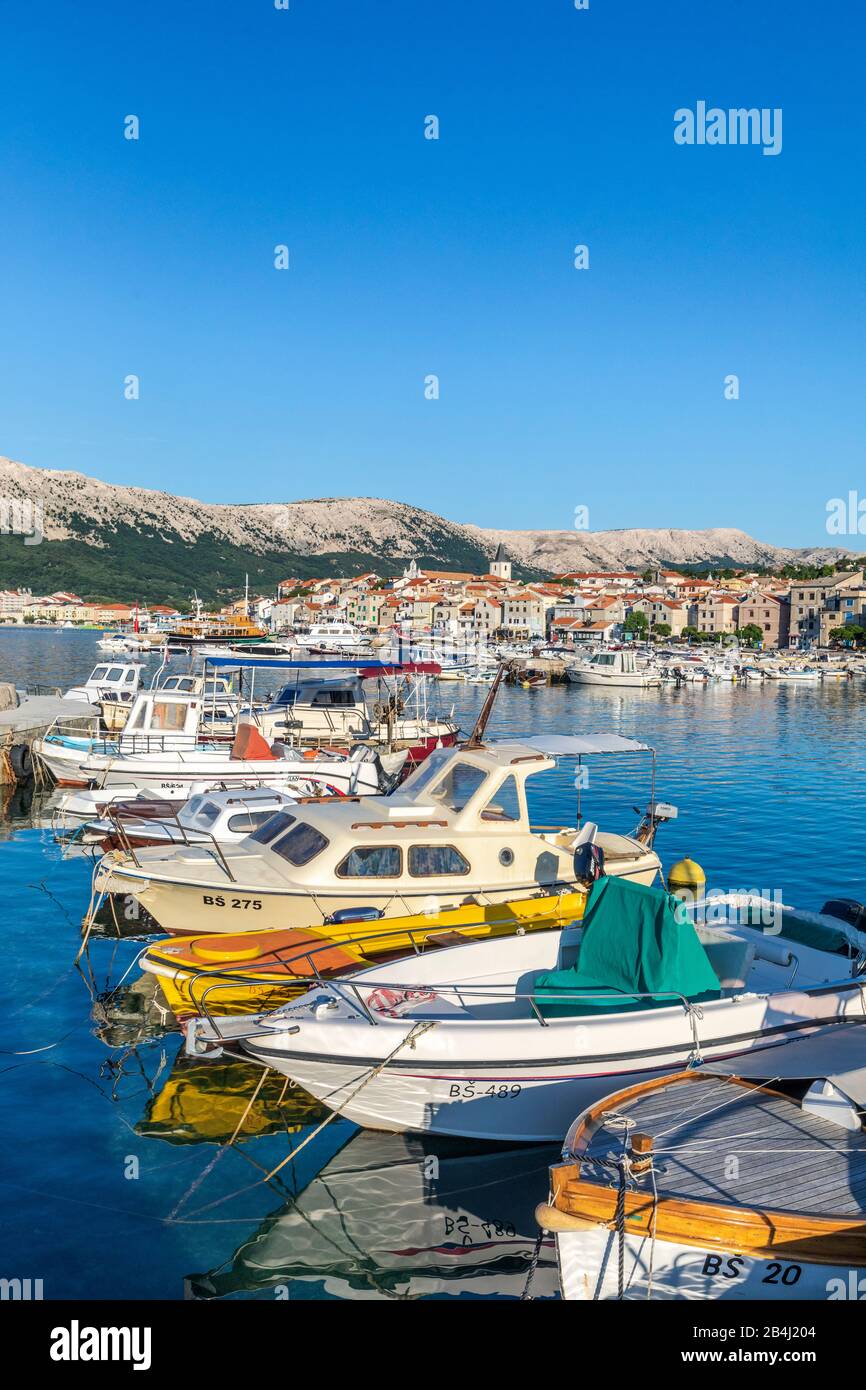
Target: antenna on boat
[475, 738]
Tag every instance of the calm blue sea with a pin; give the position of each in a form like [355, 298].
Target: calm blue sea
[114, 1176]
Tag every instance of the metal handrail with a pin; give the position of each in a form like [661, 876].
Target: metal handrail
[117, 817]
[419, 937]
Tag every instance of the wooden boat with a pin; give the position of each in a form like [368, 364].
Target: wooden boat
[703, 1185]
[505, 1039]
[255, 971]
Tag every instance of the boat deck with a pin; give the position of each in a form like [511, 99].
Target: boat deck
[786, 1158]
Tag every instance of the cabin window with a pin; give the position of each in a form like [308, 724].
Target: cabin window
[436, 861]
[245, 822]
[504, 804]
[300, 845]
[130, 676]
[372, 861]
[115, 673]
[458, 786]
[100, 673]
[281, 820]
[208, 813]
[165, 716]
[287, 695]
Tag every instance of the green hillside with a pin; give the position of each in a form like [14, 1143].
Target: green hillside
[132, 564]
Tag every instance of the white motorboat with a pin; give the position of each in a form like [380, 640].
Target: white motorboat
[618, 668]
[506, 1039]
[457, 832]
[213, 817]
[112, 642]
[336, 637]
[798, 675]
[162, 746]
[647, 1202]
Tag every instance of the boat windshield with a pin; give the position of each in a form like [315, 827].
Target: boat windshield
[448, 782]
[272, 827]
[458, 786]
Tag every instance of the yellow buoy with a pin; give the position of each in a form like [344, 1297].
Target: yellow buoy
[687, 878]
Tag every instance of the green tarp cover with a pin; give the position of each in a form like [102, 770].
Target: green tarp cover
[631, 942]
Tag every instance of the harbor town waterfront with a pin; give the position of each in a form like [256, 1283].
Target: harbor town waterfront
[432, 682]
[100, 1081]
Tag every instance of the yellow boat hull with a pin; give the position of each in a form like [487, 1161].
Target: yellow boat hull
[255, 971]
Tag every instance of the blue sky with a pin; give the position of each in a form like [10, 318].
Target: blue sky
[411, 257]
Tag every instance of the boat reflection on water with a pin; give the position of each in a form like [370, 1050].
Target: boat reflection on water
[130, 1014]
[401, 1216]
[204, 1102]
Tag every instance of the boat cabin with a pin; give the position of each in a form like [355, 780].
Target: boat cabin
[459, 825]
[109, 680]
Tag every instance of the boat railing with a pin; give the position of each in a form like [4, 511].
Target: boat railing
[204, 838]
[420, 938]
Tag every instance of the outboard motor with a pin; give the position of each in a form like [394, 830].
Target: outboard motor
[847, 910]
[588, 859]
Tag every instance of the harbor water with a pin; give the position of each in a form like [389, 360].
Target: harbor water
[117, 1175]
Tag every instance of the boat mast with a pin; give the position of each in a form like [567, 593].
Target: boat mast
[475, 738]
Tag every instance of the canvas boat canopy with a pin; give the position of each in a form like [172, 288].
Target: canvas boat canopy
[632, 946]
[579, 745]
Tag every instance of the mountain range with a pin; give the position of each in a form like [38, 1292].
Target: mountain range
[109, 541]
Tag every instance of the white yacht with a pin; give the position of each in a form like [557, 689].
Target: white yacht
[613, 668]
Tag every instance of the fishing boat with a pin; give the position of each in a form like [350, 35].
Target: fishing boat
[613, 668]
[117, 682]
[382, 705]
[258, 971]
[456, 833]
[745, 1180]
[506, 1039]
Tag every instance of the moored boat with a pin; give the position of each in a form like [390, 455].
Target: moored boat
[456, 832]
[507, 1039]
[740, 1181]
[254, 971]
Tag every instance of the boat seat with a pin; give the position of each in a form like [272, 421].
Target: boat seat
[732, 962]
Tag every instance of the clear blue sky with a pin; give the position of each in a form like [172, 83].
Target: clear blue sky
[408, 257]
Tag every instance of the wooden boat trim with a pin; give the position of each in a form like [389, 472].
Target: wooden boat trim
[757, 1232]
[738, 1230]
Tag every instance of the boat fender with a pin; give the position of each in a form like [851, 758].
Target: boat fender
[354, 914]
[21, 762]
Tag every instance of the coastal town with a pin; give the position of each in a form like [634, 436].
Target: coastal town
[822, 607]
